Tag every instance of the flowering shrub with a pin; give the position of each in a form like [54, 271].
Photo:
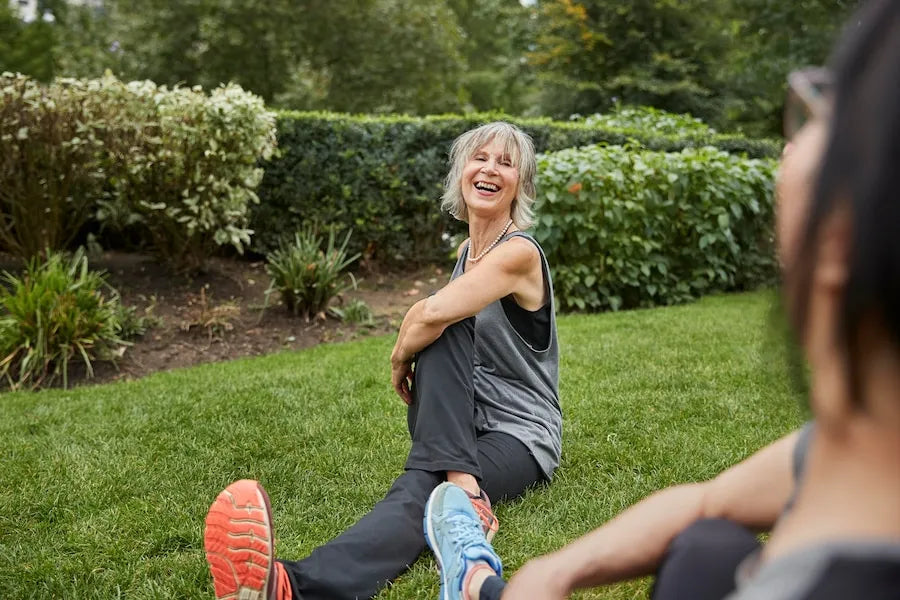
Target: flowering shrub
[179, 164]
[187, 171]
[51, 164]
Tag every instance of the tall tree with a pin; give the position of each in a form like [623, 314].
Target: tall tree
[496, 35]
[772, 38]
[354, 55]
[591, 53]
[26, 47]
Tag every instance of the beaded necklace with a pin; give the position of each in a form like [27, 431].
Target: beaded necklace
[494, 243]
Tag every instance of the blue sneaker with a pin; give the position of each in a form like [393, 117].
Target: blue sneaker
[454, 532]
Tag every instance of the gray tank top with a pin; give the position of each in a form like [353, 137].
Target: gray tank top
[517, 382]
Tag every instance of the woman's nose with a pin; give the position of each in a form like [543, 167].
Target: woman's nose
[489, 166]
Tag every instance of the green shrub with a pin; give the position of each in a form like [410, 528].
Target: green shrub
[177, 166]
[356, 311]
[382, 176]
[625, 227]
[131, 324]
[649, 119]
[185, 166]
[50, 165]
[59, 310]
[306, 276]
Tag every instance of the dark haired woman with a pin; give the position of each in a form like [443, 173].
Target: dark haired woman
[483, 401]
[830, 494]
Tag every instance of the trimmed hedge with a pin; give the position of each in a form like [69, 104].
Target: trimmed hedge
[382, 176]
[627, 227]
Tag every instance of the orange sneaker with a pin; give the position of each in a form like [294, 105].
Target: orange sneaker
[240, 546]
[482, 505]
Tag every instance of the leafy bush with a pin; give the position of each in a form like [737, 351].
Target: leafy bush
[50, 165]
[306, 276]
[176, 165]
[185, 166]
[649, 119]
[625, 227]
[382, 176]
[57, 311]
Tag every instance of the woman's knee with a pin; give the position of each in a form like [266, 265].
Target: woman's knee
[456, 338]
[713, 537]
[701, 561]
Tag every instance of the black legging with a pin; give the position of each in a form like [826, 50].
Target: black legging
[700, 563]
[389, 538]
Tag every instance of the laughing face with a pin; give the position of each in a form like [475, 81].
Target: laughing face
[490, 180]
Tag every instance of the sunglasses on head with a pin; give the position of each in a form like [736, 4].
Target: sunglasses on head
[809, 95]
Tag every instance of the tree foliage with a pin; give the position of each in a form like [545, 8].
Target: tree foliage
[775, 38]
[724, 61]
[591, 53]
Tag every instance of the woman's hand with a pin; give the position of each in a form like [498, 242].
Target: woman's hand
[401, 378]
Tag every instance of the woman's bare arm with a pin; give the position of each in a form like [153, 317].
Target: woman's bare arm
[752, 493]
[506, 270]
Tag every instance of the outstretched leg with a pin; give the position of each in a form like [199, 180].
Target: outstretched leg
[384, 542]
[239, 545]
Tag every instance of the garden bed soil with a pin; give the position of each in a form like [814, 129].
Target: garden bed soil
[219, 314]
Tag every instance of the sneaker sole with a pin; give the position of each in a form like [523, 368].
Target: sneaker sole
[238, 542]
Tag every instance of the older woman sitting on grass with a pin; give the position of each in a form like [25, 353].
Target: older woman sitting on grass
[476, 363]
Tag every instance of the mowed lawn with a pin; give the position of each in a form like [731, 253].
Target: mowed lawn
[103, 490]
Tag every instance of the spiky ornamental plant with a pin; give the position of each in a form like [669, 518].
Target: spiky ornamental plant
[56, 311]
[307, 276]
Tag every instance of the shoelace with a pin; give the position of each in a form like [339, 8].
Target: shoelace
[488, 520]
[465, 531]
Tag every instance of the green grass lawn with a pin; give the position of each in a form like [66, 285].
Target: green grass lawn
[103, 490]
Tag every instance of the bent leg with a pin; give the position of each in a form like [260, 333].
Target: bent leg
[441, 417]
[388, 539]
[700, 563]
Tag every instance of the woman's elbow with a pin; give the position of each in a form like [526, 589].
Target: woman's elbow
[431, 315]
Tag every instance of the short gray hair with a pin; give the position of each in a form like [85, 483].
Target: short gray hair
[517, 144]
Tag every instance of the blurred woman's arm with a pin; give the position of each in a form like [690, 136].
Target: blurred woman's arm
[753, 493]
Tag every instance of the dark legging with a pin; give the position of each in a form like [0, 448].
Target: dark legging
[701, 562]
[699, 565]
[388, 539]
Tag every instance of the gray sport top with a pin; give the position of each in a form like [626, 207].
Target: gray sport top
[517, 383]
[802, 574]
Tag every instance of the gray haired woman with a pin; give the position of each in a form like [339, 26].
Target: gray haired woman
[477, 363]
